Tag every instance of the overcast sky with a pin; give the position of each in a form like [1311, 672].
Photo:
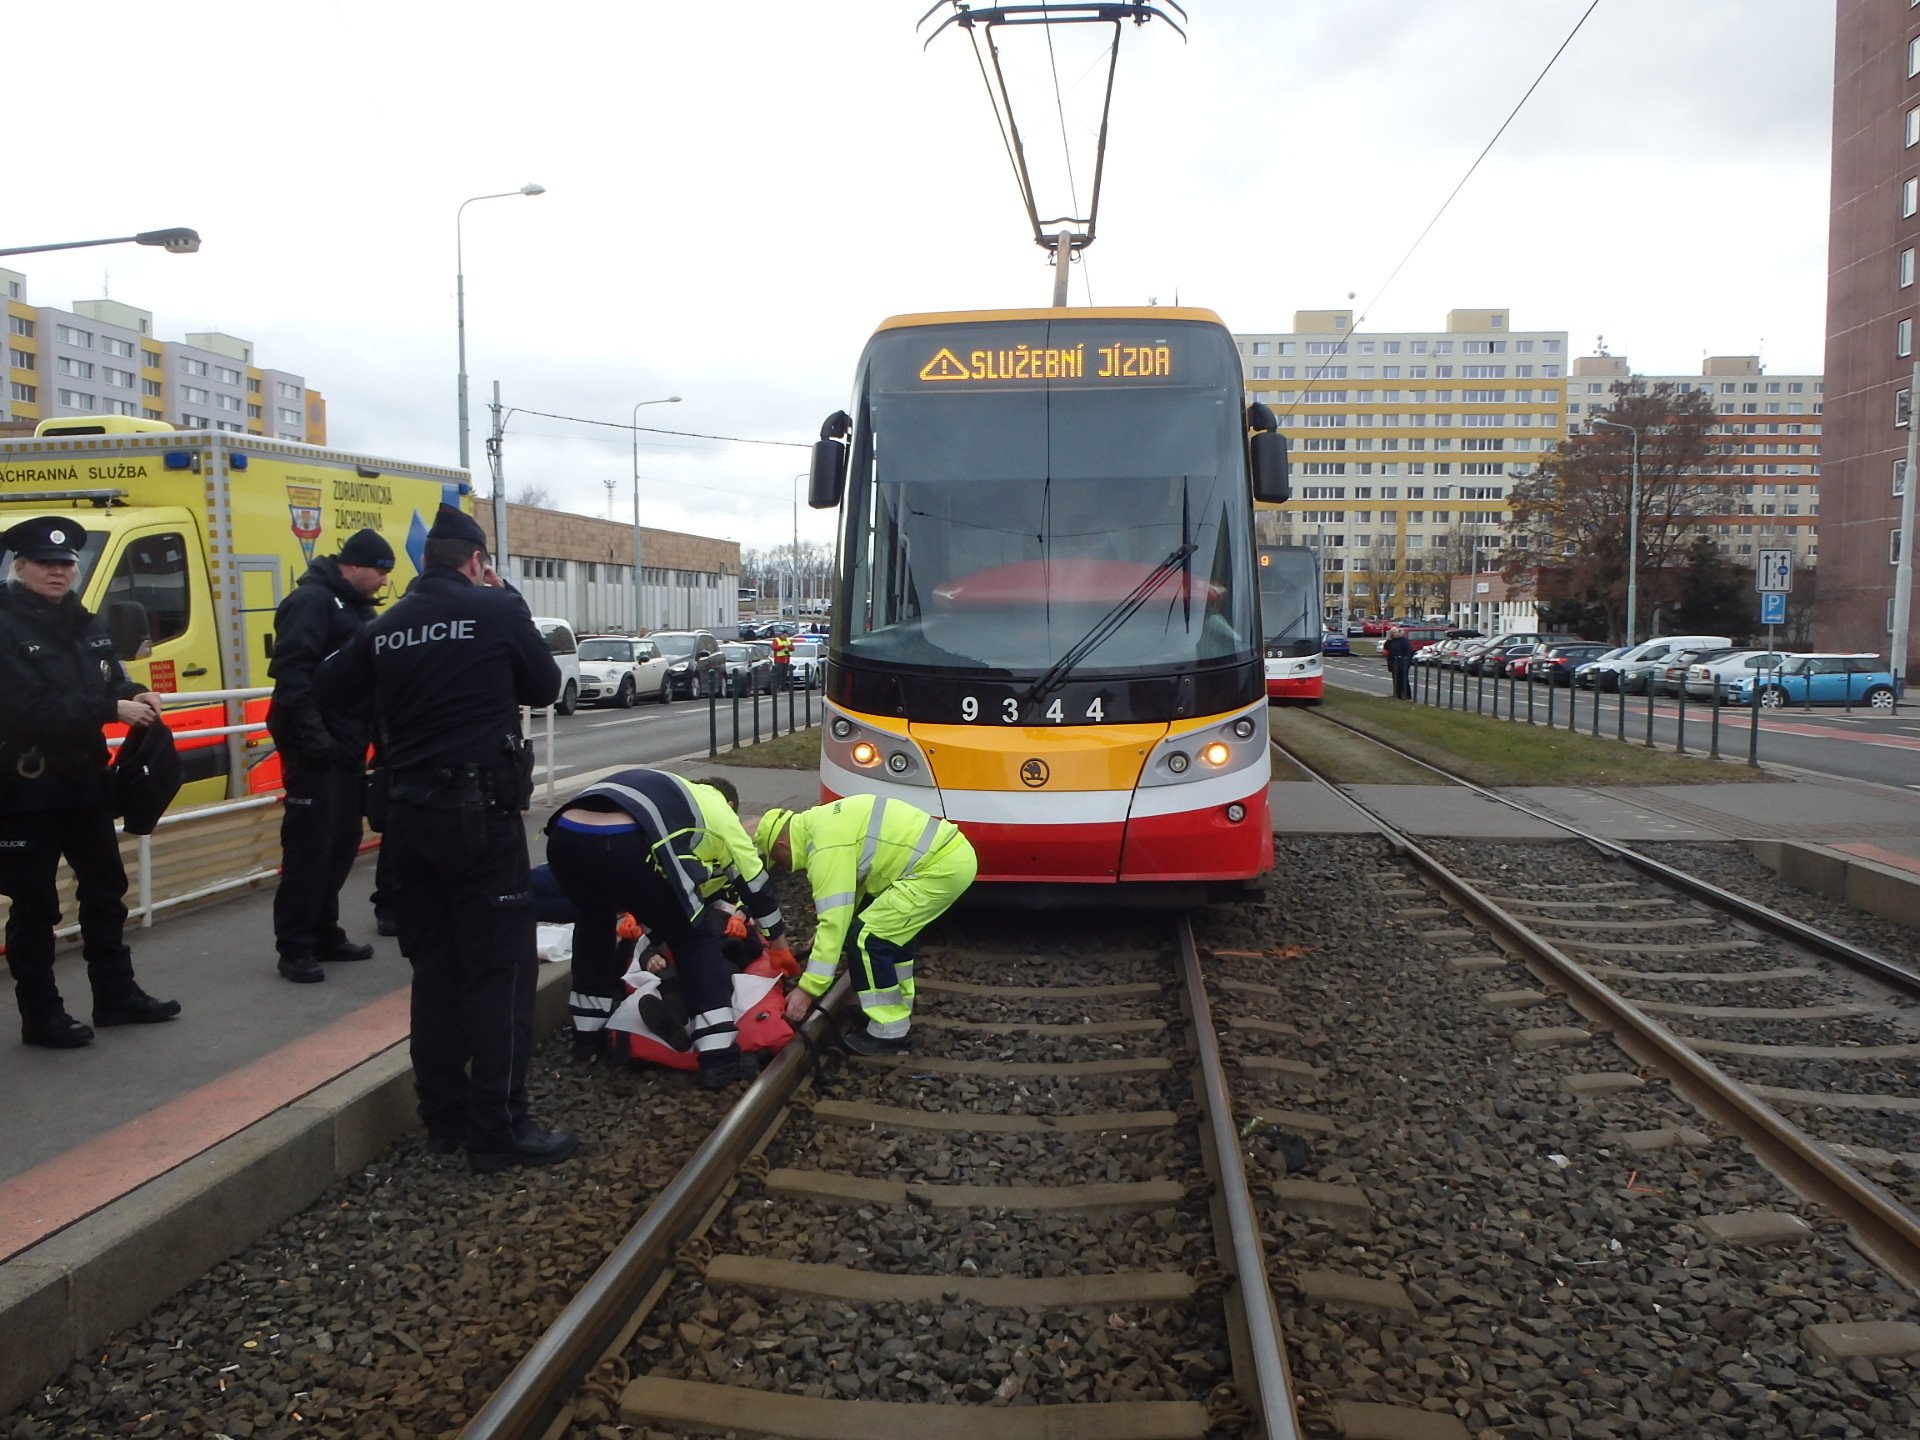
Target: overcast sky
[738, 192]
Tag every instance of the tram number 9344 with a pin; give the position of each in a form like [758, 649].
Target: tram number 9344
[1056, 713]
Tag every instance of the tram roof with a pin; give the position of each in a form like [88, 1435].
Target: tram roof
[1090, 312]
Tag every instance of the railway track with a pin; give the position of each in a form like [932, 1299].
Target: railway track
[1801, 1043]
[1037, 1224]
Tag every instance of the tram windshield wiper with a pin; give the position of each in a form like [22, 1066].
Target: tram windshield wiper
[1108, 625]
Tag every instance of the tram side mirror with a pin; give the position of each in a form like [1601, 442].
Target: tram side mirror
[827, 479]
[127, 629]
[1267, 455]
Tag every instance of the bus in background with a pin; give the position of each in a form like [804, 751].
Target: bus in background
[1290, 623]
[1046, 621]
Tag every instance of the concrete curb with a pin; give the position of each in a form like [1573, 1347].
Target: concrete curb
[1864, 884]
[64, 1297]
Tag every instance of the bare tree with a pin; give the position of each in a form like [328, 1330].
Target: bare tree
[538, 497]
[1571, 512]
[1377, 565]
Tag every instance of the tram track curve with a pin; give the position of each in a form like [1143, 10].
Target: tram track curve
[1886, 1225]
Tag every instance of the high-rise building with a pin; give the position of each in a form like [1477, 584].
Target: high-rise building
[1768, 441]
[102, 357]
[1873, 231]
[1404, 445]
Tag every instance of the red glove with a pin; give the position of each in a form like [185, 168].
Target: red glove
[629, 928]
[736, 926]
[781, 957]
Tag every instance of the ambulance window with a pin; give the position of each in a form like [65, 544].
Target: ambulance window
[153, 572]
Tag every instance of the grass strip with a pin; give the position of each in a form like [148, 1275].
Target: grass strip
[797, 751]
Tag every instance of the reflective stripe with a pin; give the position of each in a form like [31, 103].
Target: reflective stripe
[822, 968]
[888, 1029]
[602, 1003]
[903, 971]
[717, 1040]
[689, 887]
[872, 846]
[922, 845]
[832, 902]
[721, 1016]
[870, 999]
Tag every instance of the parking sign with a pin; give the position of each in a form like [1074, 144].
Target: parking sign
[1774, 574]
[1773, 607]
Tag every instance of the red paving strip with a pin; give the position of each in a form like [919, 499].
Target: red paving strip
[96, 1172]
[1909, 863]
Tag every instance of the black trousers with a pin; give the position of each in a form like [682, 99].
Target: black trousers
[1402, 672]
[604, 875]
[31, 845]
[319, 838]
[465, 915]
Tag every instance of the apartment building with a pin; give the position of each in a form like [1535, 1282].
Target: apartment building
[1404, 445]
[1767, 465]
[102, 357]
[1872, 236]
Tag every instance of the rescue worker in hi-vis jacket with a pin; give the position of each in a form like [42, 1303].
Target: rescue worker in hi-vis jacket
[880, 871]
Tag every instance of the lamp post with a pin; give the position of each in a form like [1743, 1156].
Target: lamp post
[177, 241]
[460, 297]
[793, 559]
[1633, 522]
[639, 573]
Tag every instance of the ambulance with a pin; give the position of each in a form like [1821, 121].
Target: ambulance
[193, 539]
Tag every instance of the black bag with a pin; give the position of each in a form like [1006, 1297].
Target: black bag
[146, 777]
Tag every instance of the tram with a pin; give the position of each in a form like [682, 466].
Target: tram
[1290, 621]
[1046, 620]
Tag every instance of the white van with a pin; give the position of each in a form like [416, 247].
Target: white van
[1633, 671]
[566, 654]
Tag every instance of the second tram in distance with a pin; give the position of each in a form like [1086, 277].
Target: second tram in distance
[1045, 626]
[1290, 620]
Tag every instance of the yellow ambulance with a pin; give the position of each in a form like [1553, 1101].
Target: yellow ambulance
[193, 539]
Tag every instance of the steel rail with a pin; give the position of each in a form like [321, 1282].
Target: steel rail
[537, 1388]
[1784, 926]
[1273, 1402]
[1885, 1228]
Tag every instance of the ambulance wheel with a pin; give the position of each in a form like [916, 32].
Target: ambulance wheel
[569, 700]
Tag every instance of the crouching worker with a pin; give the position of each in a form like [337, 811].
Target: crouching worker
[880, 871]
[648, 843]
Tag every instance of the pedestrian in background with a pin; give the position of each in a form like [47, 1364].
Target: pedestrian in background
[783, 661]
[60, 682]
[1399, 654]
[323, 754]
[450, 665]
[880, 871]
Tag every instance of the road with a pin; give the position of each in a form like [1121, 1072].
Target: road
[594, 739]
[1883, 749]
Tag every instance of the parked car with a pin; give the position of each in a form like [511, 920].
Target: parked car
[1669, 677]
[1705, 676]
[1495, 659]
[749, 668]
[1821, 680]
[618, 670]
[1583, 673]
[1437, 652]
[809, 662]
[566, 654]
[1555, 664]
[746, 630]
[695, 667]
[1632, 671]
[1334, 642]
[1375, 626]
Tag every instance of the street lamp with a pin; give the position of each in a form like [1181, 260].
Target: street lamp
[639, 583]
[1633, 522]
[460, 298]
[177, 241]
[793, 560]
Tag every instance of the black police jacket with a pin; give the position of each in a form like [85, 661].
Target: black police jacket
[450, 664]
[60, 682]
[321, 614]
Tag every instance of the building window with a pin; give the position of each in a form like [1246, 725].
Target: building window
[253, 386]
[226, 376]
[123, 349]
[289, 417]
[190, 366]
[122, 378]
[23, 359]
[1909, 197]
[1893, 547]
[193, 394]
[76, 399]
[227, 402]
[150, 359]
[1903, 338]
[1899, 477]
[286, 391]
[26, 394]
[70, 336]
[20, 325]
[150, 387]
[1913, 57]
[193, 422]
[253, 412]
[78, 369]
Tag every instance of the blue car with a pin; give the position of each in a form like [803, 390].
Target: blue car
[1334, 643]
[1820, 680]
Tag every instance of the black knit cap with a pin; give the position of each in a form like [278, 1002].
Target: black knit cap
[46, 537]
[368, 548]
[452, 524]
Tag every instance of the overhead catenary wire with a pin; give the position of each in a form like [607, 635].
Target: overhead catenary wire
[1394, 274]
[657, 430]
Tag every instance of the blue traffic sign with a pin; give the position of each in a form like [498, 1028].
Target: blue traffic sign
[1773, 608]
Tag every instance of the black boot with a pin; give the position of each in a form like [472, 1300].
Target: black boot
[721, 1068]
[301, 969]
[529, 1144]
[134, 1007]
[55, 1030]
[345, 949]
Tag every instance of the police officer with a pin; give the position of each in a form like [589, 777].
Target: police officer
[661, 849]
[783, 660]
[323, 754]
[60, 682]
[880, 871]
[449, 666]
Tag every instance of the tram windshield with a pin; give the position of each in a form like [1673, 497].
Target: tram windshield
[1005, 528]
[1290, 600]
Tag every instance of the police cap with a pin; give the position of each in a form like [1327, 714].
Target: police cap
[454, 524]
[46, 537]
[368, 548]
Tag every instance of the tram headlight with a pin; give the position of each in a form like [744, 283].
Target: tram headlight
[1217, 753]
[899, 762]
[1243, 727]
[866, 754]
[1177, 762]
[1236, 812]
[842, 728]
